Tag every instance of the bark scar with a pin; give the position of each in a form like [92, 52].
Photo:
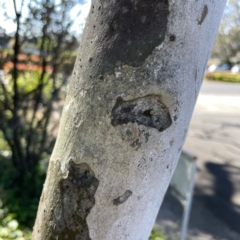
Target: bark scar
[122, 198]
[148, 111]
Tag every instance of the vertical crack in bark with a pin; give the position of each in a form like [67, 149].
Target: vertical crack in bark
[148, 111]
[204, 14]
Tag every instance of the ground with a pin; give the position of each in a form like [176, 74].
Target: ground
[213, 137]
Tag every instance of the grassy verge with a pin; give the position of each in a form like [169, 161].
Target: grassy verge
[223, 77]
[156, 234]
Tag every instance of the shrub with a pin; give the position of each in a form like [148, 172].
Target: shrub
[156, 234]
[223, 77]
[9, 227]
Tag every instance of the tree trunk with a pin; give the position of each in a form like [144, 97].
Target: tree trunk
[133, 89]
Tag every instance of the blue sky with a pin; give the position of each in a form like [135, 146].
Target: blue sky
[10, 26]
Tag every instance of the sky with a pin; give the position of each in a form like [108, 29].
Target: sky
[79, 21]
[10, 26]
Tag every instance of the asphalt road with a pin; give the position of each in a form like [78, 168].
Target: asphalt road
[214, 137]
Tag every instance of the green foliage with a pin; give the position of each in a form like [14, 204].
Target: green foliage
[44, 42]
[156, 234]
[23, 202]
[4, 148]
[227, 43]
[10, 228]
[28, 81]
[223, 77]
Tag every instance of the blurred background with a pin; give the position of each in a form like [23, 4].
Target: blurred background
[38, 46]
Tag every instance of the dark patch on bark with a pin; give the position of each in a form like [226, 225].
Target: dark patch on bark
[126, 36]
[122, 198]
[136, 144]
[148, 111]
[130, 133]
[172, 38]
[135, 27]
[75, 194]
[147, 135]
[204, 14]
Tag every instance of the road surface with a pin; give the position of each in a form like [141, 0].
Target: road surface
[214, 137]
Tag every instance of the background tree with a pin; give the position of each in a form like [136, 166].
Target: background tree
[43, 54]
[227, 44]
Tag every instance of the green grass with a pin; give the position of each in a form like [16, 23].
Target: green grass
[156, 234]
[223, 77]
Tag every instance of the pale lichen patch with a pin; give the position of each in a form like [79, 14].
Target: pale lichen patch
[66, 108]
[117, 74]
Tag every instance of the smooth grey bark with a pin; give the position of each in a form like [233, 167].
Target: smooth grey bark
[133, 89]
